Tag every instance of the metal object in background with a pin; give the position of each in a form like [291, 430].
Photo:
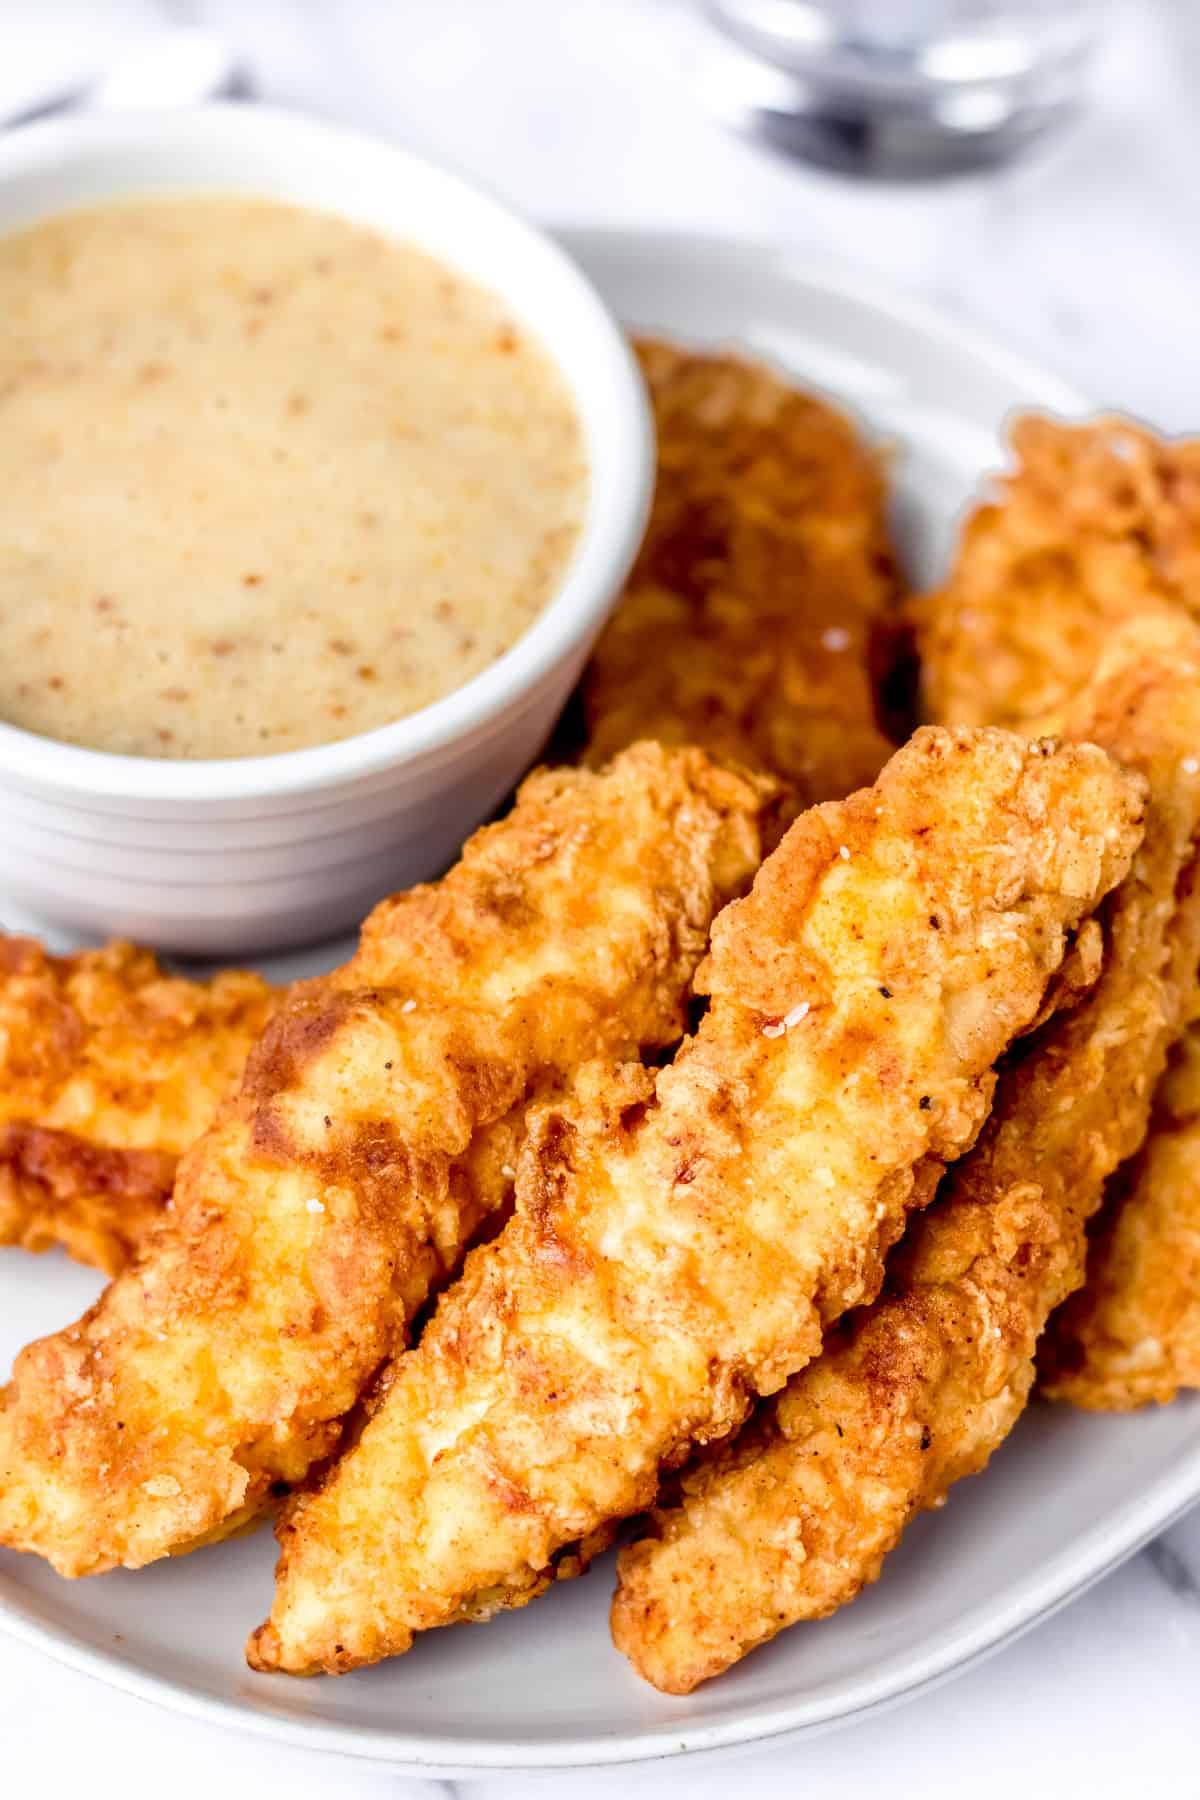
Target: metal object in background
[180, 65]
[900, 88]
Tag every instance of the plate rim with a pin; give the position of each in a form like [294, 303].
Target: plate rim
[836, 276]
[981, 1630]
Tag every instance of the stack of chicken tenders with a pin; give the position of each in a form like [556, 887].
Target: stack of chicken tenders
[725, 1150]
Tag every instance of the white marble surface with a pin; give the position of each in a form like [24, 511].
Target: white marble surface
[1087, 257]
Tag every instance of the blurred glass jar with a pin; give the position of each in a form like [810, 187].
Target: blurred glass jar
[899, 87]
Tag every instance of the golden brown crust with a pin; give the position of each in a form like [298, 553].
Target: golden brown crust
[109, 1068]
[1131, 1335]
[751, 617]
[98, 1205]
[680, 1242]
[345, 1175]
[792, 1520]
[1096, 524]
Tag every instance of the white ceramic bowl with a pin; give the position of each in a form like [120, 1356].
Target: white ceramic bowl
[236, 855]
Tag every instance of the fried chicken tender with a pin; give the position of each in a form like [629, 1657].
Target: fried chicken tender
[1097, 524]
[682, 1240]
[764, 585]
[917, 1391]
[370, 1137]
[109, 1069]
[1132, 1333]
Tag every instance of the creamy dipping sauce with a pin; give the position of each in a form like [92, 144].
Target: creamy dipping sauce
[267, 479]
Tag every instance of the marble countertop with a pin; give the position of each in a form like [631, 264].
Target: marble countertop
[1086, 257]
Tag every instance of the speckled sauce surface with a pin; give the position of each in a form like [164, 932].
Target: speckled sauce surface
[266, 478]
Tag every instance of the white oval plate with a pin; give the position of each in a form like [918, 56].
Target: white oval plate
[1067, 1498]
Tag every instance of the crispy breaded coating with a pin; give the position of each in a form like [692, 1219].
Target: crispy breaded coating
[369, 1138]
[109, 1069]
[768, 552]
[914, 1393]
[1131, 1335]
[1096, 524]
[681, 1241]
[766, 575]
